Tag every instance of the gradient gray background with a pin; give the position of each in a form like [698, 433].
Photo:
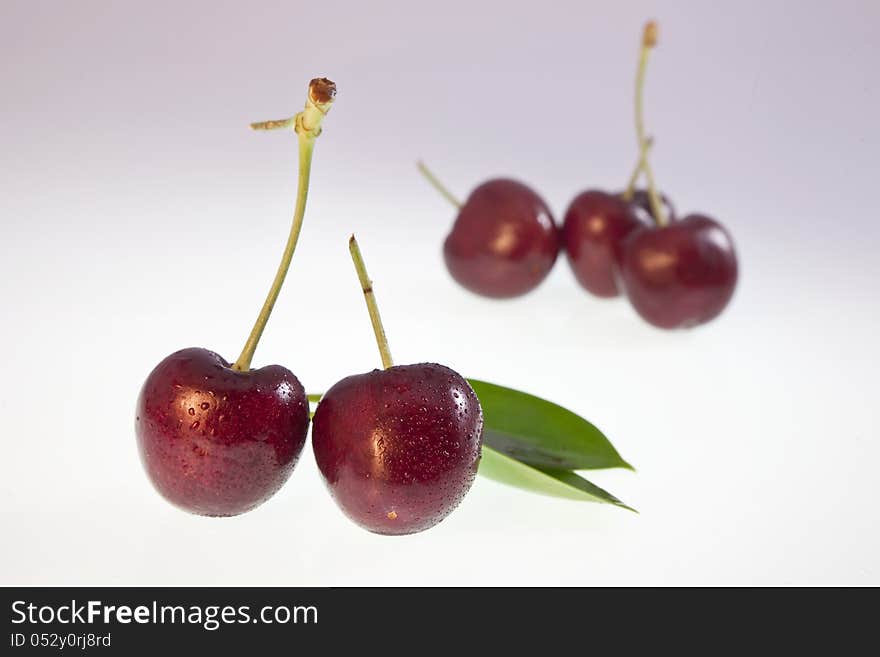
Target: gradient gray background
[138, 215]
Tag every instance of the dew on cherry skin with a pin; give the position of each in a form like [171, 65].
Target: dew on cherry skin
[420, 449]
[245, 473]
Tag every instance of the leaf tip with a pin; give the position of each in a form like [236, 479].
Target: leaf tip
[627, 507]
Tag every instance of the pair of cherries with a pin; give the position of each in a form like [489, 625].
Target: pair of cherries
[504, 243]
[675, 272]
[398, 447]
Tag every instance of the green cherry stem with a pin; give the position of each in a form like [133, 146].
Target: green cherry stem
[637, 170]
[314, 399]
[307, 125]
[649, 40]
[370, 298]
[436, 184]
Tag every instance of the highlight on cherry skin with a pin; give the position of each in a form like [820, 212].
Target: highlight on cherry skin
[218, 439]
[504, 240]
[676, 273]
[597, 222]
[398, 447]
[593, 230]
[595, 226]
[682, 274]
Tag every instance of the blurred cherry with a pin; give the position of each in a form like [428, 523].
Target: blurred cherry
[504, 240]
[594, 227]
[676, 273]
[681, 274]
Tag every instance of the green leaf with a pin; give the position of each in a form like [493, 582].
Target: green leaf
[546, 481]
[538, 432]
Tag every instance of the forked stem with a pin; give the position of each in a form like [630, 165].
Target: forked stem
[370, 298]
[637, 170]
[436, 184]
[649, 40]
[307, 125]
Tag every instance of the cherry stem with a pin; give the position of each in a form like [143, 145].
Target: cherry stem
[307, 125]
[649, 40]
[436, 184]
[637, 170]
[370, 298]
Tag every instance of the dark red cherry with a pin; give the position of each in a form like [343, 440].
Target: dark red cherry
[216, 441]
[595, 225]
[504, 241]
[399, 448]
[681, 274]
[641, 204]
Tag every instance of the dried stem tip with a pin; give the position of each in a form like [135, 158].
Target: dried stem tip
[308, 122]
[321, 94]
[649, 36]
[322, 91]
